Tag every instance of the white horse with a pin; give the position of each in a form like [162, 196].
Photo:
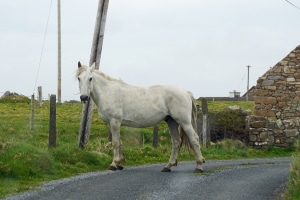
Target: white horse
[120, 104]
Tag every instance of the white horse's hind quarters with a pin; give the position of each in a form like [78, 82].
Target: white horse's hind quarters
[120, 104]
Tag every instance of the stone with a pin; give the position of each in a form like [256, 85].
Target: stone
[272, 87]
[292, 79]
[294, 83]
[285, 98]
[234, 107]
[258, 124]
[261, 92]
[291, 132]
[297, 98]
[264, 113]
[252, 138]
[297, 76]
[281, 83]
[281, 104]
[277, 131]
[265, 100]
[279, 124]
[284, 62]
[267, 82]
[276, 78]
[292, 55]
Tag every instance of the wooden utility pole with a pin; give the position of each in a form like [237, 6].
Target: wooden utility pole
[59, 54]
[86, 117]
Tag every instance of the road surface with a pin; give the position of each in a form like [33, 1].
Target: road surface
[246, 179]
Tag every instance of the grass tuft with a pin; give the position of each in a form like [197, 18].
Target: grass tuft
[293, 189]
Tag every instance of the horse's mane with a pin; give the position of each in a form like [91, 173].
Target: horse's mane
[83, 68]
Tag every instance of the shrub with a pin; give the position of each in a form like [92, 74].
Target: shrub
[226, 124]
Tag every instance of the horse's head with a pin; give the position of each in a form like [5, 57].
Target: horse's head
[85, 77]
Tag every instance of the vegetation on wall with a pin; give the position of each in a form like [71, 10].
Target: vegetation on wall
[227, 123]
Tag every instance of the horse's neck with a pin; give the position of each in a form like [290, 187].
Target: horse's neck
[100, 85]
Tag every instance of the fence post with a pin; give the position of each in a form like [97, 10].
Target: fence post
[205, 122]
[32, 113]
[40, 95]
[109, 135]
[155, 136]
[52, 122]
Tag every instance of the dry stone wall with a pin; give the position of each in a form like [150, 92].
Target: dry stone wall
[276, 120]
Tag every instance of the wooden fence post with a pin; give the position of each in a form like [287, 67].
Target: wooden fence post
[205, 122]
[155, 136]
[32, 113]
[52, 122]
[40, 97]
[109, 135]
[87, 109]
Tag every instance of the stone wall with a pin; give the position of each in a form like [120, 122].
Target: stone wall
[276, 119]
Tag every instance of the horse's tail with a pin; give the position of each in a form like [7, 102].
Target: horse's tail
[184, 139]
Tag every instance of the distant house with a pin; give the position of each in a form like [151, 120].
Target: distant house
[251, 93]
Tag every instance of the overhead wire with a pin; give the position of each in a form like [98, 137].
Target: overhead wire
[43, 44]
[292, 4]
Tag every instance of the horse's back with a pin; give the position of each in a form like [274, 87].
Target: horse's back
[147, 106]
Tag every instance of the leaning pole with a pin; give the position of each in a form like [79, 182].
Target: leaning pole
[87, 108]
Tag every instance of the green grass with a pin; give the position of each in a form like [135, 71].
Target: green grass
[221, 105]
[293, 189]
[26, 161]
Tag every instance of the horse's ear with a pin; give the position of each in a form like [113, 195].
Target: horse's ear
[79, 64]
[92, 67]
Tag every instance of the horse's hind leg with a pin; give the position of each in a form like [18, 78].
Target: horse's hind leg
[194, 141]
[116, 142]
[176, 142]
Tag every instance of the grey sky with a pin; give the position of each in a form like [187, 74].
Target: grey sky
[201, 45]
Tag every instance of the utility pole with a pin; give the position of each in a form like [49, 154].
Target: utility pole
[87, 109]
[59, 54]
[247, 97]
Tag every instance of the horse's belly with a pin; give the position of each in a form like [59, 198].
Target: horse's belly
[142, 121]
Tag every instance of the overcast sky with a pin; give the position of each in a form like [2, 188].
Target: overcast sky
[201, 45]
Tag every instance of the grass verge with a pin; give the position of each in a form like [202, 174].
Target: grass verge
[26, 161]
[293, 189]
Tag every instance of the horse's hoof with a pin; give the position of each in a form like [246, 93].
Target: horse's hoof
[112, 168]
[198, 170]
[165, 169]
[120, 167]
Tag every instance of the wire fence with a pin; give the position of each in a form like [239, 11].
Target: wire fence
[43, 98]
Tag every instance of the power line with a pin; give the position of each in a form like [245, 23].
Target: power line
[292, 4]
[37, 74]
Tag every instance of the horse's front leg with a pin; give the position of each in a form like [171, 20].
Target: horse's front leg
[176, 142]
[116, 143]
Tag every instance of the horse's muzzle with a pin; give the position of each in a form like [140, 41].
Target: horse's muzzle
[84, 98]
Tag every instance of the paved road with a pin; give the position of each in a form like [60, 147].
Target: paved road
[235, 180]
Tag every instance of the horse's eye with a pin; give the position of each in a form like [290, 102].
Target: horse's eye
[78, 79]
[91, 79]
